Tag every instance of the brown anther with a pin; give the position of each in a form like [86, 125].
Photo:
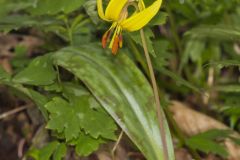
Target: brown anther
[115, 46]
[105, 38]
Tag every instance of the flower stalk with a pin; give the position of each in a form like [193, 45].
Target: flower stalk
[160, 116]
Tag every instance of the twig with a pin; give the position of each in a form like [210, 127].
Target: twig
[21, 147]
[156, 96]
[116, 145]
[14, 111]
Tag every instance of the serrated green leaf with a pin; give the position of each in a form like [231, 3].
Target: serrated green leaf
[207, 146]
[135, 36]
[60, 152]
[90, 7]
[64, 118]
[159, 19]
[161, 48]
[99, 124]
[229, 88]
[224, 32]
[193, 51]
[51, 150]
[163, 56]
[205, 142]
[33, 153]
[230, 106]
[85, 145]
[213, 134]
[39, 72]
[46, 152]
[178, 79]
[123, 91]
[71, 117]
[225, 63]
[95, 122]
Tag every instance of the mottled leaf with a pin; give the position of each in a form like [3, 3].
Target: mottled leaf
[123, 91]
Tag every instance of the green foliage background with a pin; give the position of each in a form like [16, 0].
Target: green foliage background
[84, 93]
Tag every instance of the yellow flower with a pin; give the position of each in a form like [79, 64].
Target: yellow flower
[117, 13]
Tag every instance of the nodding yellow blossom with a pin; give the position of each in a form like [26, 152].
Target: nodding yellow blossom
[117, 13]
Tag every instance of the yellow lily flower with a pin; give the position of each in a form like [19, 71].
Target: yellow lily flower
[116, 12]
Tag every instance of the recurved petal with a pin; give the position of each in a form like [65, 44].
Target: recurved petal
[139, 20]
[141, 5]
[100, 10]
[114, 9]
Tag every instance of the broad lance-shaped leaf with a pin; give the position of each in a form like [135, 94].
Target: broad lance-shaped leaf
[123, 91]
[39, 72]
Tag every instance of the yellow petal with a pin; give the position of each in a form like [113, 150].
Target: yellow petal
[100, 10]
[114, 9]
[141, 5]
[139, 20]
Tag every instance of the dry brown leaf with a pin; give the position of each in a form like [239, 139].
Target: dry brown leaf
[4, 62]
[10, 41]
[192, 122]
[182, 154]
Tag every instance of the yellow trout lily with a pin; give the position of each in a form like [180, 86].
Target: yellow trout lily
[117, 13]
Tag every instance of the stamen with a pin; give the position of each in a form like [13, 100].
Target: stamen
[113, 37]
[105, 38]
[120, 41]
[116, 29]
[115, 46]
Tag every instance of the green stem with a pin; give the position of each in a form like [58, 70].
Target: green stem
[160, 116]
[58, 74]
[69, 30]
